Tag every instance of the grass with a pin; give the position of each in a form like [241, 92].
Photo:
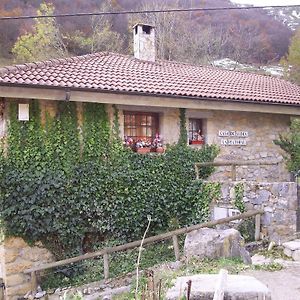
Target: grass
[120, 263]
[155, 254]
[275, 253]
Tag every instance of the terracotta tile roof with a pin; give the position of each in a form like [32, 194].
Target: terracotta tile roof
[121, 73]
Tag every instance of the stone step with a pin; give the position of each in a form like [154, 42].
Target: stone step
[292, 249]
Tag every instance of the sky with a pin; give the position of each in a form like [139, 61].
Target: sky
[268, 2]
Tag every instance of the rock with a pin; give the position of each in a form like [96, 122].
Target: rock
[215, 243]
[260, 260]
[296, 255]
[39, 295]
[288, 252]
[292, 245]
[203, 288]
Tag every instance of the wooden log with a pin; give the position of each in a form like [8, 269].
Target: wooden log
[221, 285]
[149, 240]
[257, 227]
[176, 247]
[106, 265]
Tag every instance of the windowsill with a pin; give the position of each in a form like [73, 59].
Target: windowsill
[197, 143]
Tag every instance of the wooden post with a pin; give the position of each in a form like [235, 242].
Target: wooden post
[106, 265]
[233, 172]
[176, 247]
[221, 285]
[33, 281]
[257, 227]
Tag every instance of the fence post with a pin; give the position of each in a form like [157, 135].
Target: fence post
[257, 227]
[2, 287]
[176, 247]
[33, 281]
[233, 172]
[106, 265]
[221, 285]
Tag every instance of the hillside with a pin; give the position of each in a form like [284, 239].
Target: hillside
[252, 37]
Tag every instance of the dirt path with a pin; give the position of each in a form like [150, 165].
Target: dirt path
[284, 284]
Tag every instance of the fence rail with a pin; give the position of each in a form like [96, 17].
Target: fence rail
[161, 237]
[233, 165]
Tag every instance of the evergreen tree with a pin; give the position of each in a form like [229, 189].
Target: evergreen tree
[292, 61]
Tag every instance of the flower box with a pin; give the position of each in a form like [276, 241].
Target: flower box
[143, 150]
[200, 142]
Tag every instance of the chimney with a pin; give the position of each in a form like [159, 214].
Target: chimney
[144, 42]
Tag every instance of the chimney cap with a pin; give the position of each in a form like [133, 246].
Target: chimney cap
[143, 24]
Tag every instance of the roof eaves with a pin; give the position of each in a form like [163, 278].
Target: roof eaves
[214, 99]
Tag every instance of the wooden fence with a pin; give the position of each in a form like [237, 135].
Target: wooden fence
[233, 165]
[157, 238]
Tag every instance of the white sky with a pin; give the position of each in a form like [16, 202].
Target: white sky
[268, 2]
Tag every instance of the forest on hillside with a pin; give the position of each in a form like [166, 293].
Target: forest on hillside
[251, 36]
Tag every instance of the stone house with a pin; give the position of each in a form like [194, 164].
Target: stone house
[241, 112]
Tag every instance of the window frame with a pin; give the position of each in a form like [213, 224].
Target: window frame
[193, 131]
[138, 126]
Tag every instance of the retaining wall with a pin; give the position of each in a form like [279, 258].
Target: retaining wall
[277, 199]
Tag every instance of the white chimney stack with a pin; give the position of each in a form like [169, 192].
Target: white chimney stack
[144, 42]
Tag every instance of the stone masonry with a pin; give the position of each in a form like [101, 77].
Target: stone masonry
[17, 256]
[277, 199]
[262, 130]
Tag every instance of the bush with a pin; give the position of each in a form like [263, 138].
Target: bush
[290, 143]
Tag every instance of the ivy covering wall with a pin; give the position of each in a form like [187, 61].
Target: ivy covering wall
[60, 183]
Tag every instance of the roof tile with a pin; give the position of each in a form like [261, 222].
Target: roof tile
[116, 72]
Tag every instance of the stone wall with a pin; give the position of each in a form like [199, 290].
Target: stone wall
[262, 130]
[277, 199]
[17, 256]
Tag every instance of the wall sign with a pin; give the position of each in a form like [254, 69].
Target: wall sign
[233, 137]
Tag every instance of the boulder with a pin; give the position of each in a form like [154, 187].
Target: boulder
[215, 243]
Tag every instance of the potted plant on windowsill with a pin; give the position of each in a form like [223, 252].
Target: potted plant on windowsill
[197, 142]
[157, 144]
[198, 139]
[143, 146]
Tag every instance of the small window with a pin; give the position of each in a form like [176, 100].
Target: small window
[196, 131]
[140, 127]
